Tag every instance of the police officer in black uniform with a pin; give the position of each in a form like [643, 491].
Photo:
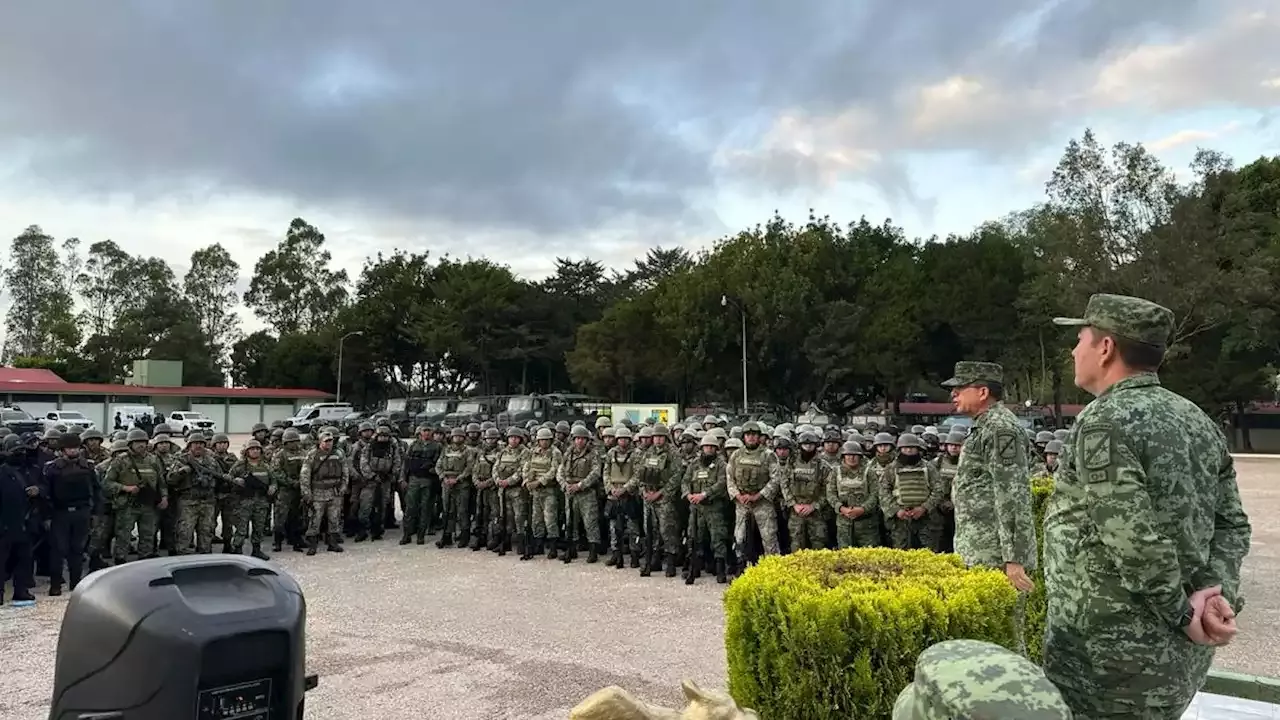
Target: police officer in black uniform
[70, 487]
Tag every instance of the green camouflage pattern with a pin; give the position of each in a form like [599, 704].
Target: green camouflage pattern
[1128, 317]
[1145, 508]
[968, 372]
[980, 681]
[991, 496]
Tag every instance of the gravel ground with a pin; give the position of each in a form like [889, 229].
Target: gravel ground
[420, 632]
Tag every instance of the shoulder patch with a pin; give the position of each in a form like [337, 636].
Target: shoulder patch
[1006, 442]
[1095, 448]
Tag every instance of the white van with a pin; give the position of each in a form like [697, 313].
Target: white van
[319, 414]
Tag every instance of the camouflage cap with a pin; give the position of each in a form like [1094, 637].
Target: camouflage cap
[979, 680]
[968, 372]
[1128, 317]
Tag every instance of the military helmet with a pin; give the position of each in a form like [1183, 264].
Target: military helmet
[487, 425]
[882, 438]
[676, 429]
[12, 442]
[221, 438]
[331, 429]
[609, 432]
[473, 429]
[326, 435]
[50, 434]
[603, 422]
[514, 431]
[531, 424]
[195, 436]
[944, 429]
[384, 429]
[851, 448]
[720, 433]
[421, 429]
[580, 431]
[119, 435]
[782, 441]
[622, 431]
[119, 446]
[660, 430]
[277, 424]
[955, 437]
[68, 440]
[709, 439]
[1043, 437]
[917, 430]
[645, 432]
[1061, 434]
[906, 440]
[291, 435]
[277, 433]
[789, 427]
[492, 433]
[1053, 447]
[545, 434]
[626, 422]
[735, 432]
[257, 428]
[563, 427]
[733, 443]
[252, 444]
[750, 426]
[458, 432]
[781, 432]
[833, 435]
[365, 426]
[809, 438]
[161, 438]
[136, 435]
[92, 434]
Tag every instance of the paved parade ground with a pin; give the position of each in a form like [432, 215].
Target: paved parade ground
[419, 632]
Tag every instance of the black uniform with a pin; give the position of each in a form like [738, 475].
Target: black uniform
[17, 526]
[70, 487]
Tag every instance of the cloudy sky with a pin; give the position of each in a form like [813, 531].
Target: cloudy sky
[526, 130]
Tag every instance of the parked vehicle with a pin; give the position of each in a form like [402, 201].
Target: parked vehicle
[476, 409]
[435, 410]
[324, 413]
[552, 407]
[67, 418]
[20, 421]
[182, 422]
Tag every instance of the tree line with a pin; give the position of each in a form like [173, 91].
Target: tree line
[838, 314]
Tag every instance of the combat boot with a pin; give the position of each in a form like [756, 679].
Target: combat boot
[405, 540]
[566, 556]
[615, 559]
[257, 552]
[669, 566]
[721, 577]
[312, 543]
[421, 540]
[646, 567]
[278, 542]
[695, 567]
[551, 548]
[592, 553]
[335, 543]
[476, 542]
[299, 544]
[445, 539]
[522, 547]
[635, 558]
[361, 536]
[462, 541]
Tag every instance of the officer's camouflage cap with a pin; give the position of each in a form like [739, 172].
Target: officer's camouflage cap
[969, 372]
[979, 680]
[1126, 316]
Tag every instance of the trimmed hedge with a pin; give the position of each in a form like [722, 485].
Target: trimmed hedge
[836, 633]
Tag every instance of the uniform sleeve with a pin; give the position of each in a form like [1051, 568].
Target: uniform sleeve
[934, 478]
[833, 490]
[633, 476]
[48, 476]
[111, 479]
[779, 474]
[730, 486]
[468, 466]
[1015, 523]
[719, 483]
[593, 477]
[872, 502]
[1231, 535]
[304, 476]
[557, 459]
[163, 488]
[771, 489]
[1120, 508]
[888, 500]
[825, 481]
[675, 472]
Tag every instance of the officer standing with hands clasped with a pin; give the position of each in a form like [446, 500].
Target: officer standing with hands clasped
[70, 487]
[1145, 533]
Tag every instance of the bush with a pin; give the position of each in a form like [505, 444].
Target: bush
[1041, 489]
[835, 634]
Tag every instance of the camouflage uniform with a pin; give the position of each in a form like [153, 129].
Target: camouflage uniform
[661, 471]
[102, 525]
[515, 499]
[257, 484]
[850, 487]
[379, 463]
[804, 482]
[196, 478]
[454, 468]
[486, 510]
[581, 469]
[226, 497]
[904, 486]
[947, 467]
[167, 517]
[622, 506]
[323, 482]
[976, 679]
[289, 521]
[424, 487]
[1145, 510]
[707, 476]
[754, 471]
[140, 469]
[540, 467]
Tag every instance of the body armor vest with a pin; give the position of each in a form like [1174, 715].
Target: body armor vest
[539, 463]
[381, 458]
[912, 486]
[804, 480]
[851, 485]
[507, 464]
[621, 468]
[702, 477]
[653, 469]
[579, 464]
[291, 466]
[455, 460]
[751, 470]
[484, 468]
[327, 473]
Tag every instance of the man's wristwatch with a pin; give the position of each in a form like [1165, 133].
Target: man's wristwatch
[1188, 614]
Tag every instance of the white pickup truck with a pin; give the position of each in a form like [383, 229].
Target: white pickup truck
[67, 418]
[183, 422]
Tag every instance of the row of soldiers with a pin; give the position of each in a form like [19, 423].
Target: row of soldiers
[663, 497]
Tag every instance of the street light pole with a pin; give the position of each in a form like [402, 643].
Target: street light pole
[742, 313]
[337, 396]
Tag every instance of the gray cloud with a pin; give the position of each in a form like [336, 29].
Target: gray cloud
[552, 118]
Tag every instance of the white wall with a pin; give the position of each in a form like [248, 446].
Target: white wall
[39, 409]
[272, 412]
[166, 404]
[243, 418]
[216, 412]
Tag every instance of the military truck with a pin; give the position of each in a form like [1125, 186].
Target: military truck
[553, 407]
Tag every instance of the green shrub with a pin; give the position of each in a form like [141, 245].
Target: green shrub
[1041, 489]
[835, 634]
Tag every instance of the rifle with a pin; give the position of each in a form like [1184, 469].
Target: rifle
[691, 545]
[650, 529]
[753, 549]
[499, 531]
[570, 542]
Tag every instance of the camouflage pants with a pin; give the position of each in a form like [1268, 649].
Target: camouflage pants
[914, 534]
[766, 517]
[662, 514]
[517, 509]
[1095, 706]
[586, 512]
[417, 507]
[624, 521]
[225, 514]
[287, 517]
[196, 517]
[486, 510]
[707, 525]
[546, 516]
[862, 532]
[371, 505]
[456, 500]
[167, 524]
[807, 533]
[101, 527]
[126, 518]
[325, 504]
[252, 516]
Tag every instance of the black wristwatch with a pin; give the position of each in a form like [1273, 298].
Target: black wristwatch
[1188, 614]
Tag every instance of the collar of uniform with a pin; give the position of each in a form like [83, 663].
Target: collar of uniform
[981, 418]
[1139, 380]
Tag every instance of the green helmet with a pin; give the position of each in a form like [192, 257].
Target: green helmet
[545, 434]
[290, 435]
[580, 431]
[259, 427]
[906, 440]
[92, 434]
[220, 438]
[1053, 447]
[1043, 437]
[119, 446]
[136, 435]
[253, 445]
[196, 437]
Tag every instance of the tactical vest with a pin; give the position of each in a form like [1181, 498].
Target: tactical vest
[539, 464]
[200, 480]
[751, 470]
[804, 481]
[455, 459]
[653, 469]
[261, 472]
[327, 473]
[947, 469]
[621, 468]
[507, 464]
[291, 466]
[144, 476]
[702, 477]
[851, 485]
[578, 465]
[381, 464]
[484, 468]
[912, 486]
[419, 459]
